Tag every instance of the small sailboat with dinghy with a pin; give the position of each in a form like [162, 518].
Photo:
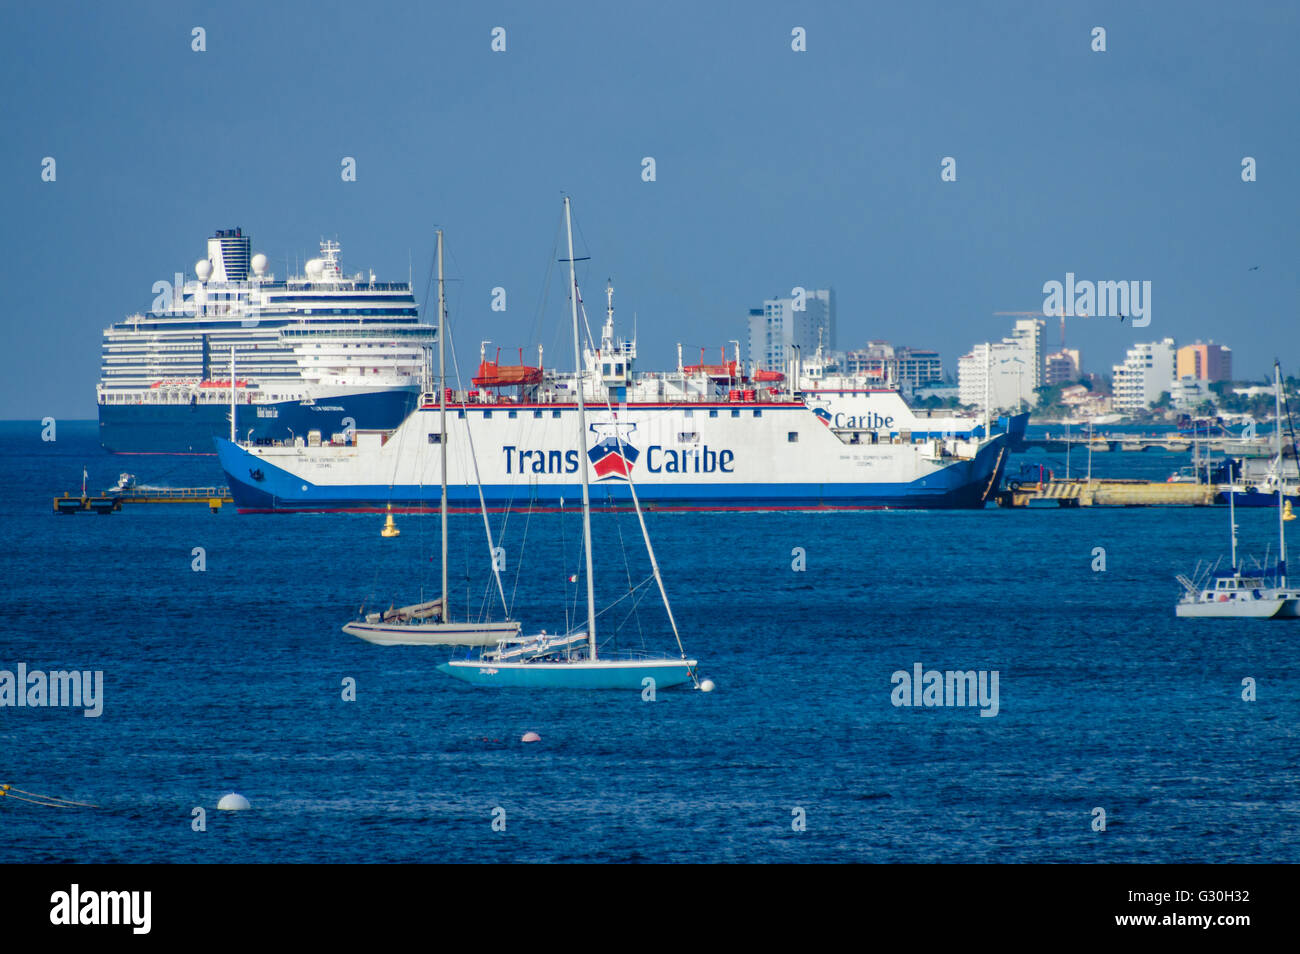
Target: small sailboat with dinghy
[573, 660]
[428, 622]
[1240, 594]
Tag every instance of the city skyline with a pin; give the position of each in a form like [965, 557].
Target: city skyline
[1123, 165]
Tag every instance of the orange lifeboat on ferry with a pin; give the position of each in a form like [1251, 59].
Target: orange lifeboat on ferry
[765, 375]
[491, 374]
[721, 372]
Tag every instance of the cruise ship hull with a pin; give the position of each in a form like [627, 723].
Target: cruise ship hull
[746, 465]
[191, 428]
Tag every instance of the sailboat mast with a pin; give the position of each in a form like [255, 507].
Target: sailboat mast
[442, 419]
[1232, 521]
[582, 441]
[234, 438]
[1281, 496]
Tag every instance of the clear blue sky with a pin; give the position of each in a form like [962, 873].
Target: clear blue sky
[775, 168]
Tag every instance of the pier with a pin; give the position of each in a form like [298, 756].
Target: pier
[1109, 492]
[1101, 443]
[108, 503]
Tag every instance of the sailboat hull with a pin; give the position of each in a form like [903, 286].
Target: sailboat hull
[1233, 609]
[434, 634]
[625, 674]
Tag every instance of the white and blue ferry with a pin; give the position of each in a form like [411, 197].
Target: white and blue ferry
[321, 351]
[700, 437]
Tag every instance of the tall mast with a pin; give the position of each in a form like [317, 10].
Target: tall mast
[1232, 521]
[1281, 497]
[442, 419]
[582, 441]
[234, 438]
[988, 383]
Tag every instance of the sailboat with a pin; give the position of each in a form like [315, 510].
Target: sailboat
[572, 660]
[1291, 594]
[428, 622]
[1235, 594]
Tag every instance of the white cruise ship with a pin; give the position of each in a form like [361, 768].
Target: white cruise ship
[322, 351]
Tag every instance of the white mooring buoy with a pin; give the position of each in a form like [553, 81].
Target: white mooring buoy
[233, 802]
[531, 737]
[706, 685]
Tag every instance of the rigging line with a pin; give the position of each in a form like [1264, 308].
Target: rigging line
[5, 789]
[34, 801]
[636, 596]
[602, 612]
[478, 482]
[1295, 448]
[635, 610]
[650, 550]
[519, 564]
[627, 567]
[540, 312]
[564, 563]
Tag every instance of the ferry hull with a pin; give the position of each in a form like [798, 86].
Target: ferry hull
[703, 457]
[961, 486]
[1257, 498]
[630, 675]
[191, 428]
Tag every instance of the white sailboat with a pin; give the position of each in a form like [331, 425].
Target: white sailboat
[1281, 587]
[572, 660]
[1236, 594]
[428, 623]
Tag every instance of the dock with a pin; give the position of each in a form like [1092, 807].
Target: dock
[1109, 492]
[108, 503]
[1178, 444]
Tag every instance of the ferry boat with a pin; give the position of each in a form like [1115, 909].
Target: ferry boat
[701, 437]
[321, 351]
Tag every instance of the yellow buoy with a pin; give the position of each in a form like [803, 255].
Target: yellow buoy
[390, 528]
[1286, 511]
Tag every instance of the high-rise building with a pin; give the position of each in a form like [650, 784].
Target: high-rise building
[783, 324]
[1062, 367]
[1014, 367]
[876, 360]
[918, 367]
[908, 368]
[1028, 334]
[1205, 362]
[1005, 366]
[1148, 369]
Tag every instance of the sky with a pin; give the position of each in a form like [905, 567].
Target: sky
[773, 167]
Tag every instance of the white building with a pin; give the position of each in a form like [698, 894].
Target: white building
[786, 323]
[1015, 368]
[1148, 369]
[1010, 375]
[1028, 334]
[1189, 393]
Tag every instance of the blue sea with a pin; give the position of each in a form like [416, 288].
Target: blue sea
[232, 679]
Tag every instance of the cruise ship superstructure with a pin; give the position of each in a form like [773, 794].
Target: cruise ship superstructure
[321, 351]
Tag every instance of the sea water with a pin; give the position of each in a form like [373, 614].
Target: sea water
[1121, 733]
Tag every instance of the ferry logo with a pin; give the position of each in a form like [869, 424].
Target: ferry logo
[823, 415]
[605, 457]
